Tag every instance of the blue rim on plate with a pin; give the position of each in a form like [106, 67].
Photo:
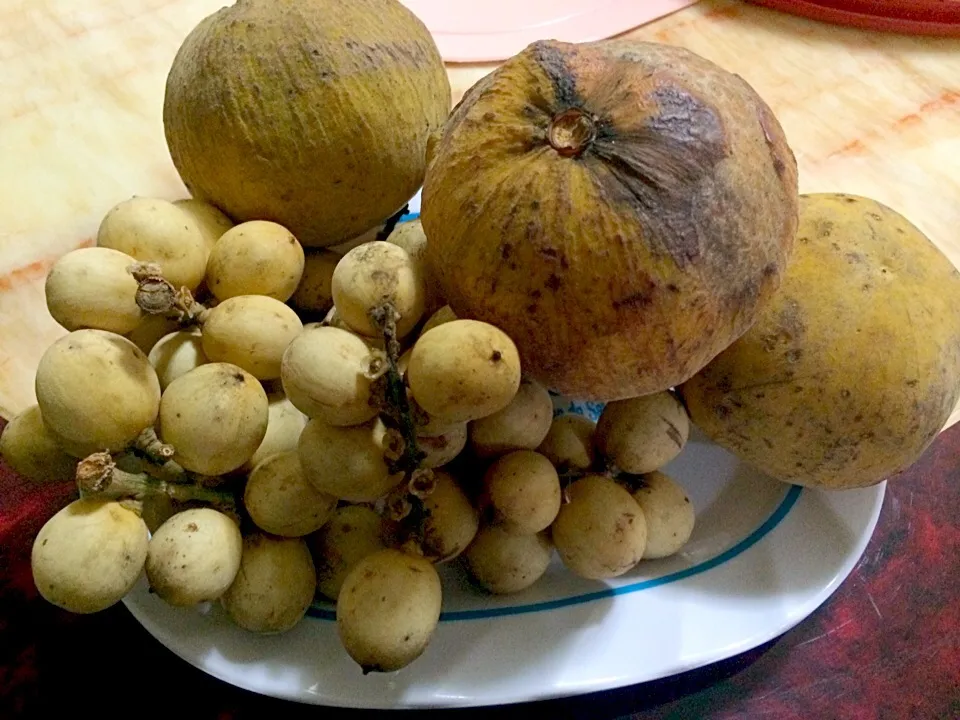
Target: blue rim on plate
[324, 612]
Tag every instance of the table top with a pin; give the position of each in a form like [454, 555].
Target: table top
[865, 113]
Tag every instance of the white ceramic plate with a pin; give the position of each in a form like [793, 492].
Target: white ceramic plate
[762, 557]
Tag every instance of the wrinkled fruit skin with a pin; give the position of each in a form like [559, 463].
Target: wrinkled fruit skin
[854, 367]
[621, 209]
[314, 114]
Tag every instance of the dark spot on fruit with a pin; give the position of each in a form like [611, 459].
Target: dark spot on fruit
[532, 231]
[553, 62]
[823, 230]
[770, 269]
[553, 282]
[804, 240]
[876, 216]
[721, 411]
[854, 257]
[43, 544]
[912, 383]
[534, 204]
[798, 388]
[191, 527]
[550, 252]
[788, 423]
[673, 432]
[659, 165]
[858, 417]
[866, 287]
[505, 250]
[406, 638]
[239, 377]
[794, 355]
[178, 416]
[725, 384]
[635, 300]
[513, 266]
[489, 116]
[798, 464]
[686, 499]
[848, 199]
[672, 288]
[844, 393]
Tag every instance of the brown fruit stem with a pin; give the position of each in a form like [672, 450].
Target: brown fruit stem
[160, 456]
[153, 447]
[397, 405]
[600, 467]
[629, 482]
[422, 483]
[157, 296]
[397, 504]
[571, 132]
[98, 476]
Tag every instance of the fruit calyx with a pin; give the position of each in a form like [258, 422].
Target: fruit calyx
[571, 132]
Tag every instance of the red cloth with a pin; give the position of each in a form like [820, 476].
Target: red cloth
[886, 645]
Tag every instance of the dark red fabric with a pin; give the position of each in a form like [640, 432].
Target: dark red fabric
[886, 646]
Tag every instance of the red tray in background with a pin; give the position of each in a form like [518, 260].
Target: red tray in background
[914, 17]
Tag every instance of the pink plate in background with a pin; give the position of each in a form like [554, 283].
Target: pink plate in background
[493, 30]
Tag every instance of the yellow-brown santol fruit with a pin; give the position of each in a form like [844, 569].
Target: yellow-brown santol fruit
[621, 209]
[854, 366]
[313, 114]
